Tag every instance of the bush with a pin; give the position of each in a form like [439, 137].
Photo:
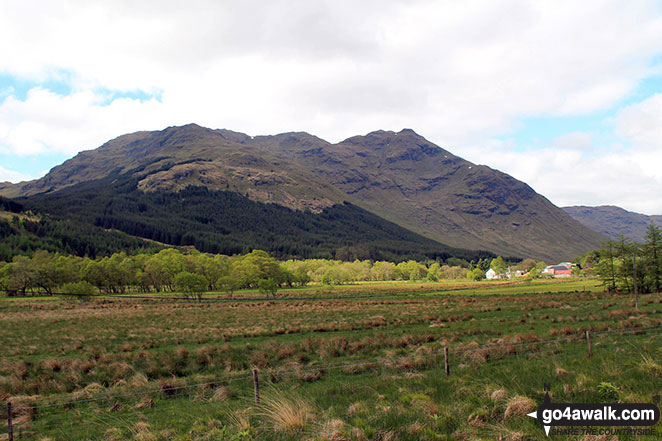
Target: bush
[191, 284]
[79, 288]
[268, 286]
[476, 274]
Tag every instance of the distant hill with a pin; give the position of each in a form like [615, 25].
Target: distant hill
[400, 177]
[612, 221]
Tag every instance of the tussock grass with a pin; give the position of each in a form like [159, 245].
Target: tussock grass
[650, 366]
[222, 393]
[519, 406]
[286, 412]
[241, 420]
[333, 430]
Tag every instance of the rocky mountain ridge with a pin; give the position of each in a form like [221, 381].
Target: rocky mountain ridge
[400, 176]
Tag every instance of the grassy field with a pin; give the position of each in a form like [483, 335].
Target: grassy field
[359, 362]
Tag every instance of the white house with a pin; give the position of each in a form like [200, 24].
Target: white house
[491, 274]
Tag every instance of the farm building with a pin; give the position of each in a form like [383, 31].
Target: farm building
[561, 270]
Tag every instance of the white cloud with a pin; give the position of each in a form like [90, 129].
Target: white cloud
[574, 140]
[641, 123]
[460, 73]
[46, 121]
[572, 170]
[13, 176]
[457, 68]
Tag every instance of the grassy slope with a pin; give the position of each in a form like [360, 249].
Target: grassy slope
[404, 393]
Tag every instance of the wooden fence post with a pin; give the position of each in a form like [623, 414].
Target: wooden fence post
[634, 276]
[446, 364]
[588, 342]
[10, 426]
[256, 386]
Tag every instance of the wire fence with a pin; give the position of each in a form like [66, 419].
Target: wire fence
[91, 417]
[323, 293]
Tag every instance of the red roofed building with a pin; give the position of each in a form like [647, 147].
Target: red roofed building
[558, 270]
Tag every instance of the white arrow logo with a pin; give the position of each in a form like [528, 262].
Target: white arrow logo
[534, 414]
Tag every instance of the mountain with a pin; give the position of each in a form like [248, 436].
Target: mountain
[612, 221]
[226, 222]
[177, 157]
[414, 183]
[400, 177]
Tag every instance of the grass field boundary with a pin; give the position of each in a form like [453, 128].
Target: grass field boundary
[357, 363]
[173, 399]
[294, 296]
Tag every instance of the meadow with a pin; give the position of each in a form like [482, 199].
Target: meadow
[356, 362]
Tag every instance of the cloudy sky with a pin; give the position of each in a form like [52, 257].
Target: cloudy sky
[564, 95]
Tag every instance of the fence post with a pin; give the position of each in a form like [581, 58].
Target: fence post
[588, 342]
[256, 386]
[10, 427]
[634, 276]
[446, 364]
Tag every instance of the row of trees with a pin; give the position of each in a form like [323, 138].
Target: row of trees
[623, 264]
[194, 273]
[336, 272]
[167, 270]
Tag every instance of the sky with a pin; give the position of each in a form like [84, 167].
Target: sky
[563, 95]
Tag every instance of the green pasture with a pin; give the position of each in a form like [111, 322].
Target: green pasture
[342, 366]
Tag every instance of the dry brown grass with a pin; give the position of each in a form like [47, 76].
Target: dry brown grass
[519, 406]
[113, 434]
[387, 435]
[332, 430]
[138, 380]
[241, 419]
[88, 391]
[286, 413]
[182, 352]
[355, 408]
[145, 403]
[498, 395]
[142, 432]
[52, 364]
[223, 393]
[650, 366]
[310, 376]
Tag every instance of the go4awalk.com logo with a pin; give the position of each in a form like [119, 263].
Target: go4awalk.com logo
[638, 417]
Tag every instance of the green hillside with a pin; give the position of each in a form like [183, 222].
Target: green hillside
[20, 235]
[227, 222]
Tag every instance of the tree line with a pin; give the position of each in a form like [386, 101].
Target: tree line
[193, 273]
[623, 264]
[24, 234]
